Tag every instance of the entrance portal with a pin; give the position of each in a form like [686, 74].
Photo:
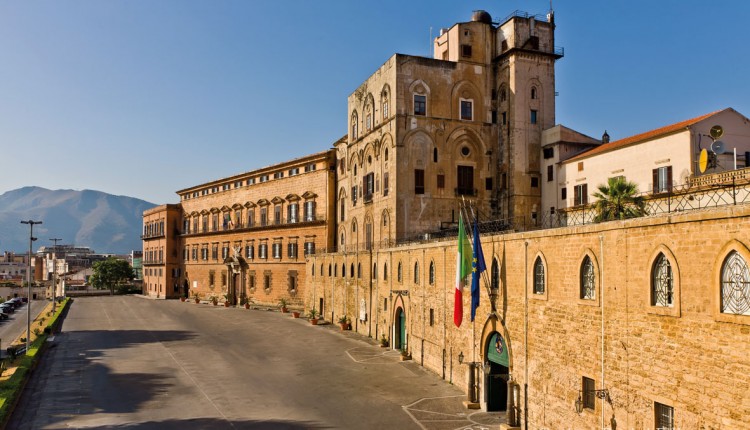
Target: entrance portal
[400, 334]
[496, 381]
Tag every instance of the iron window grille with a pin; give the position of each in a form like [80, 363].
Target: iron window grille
[588, 279]
[538, 276]
[735, 285]
[662, 287]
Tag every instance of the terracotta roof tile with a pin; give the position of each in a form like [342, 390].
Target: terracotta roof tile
[617, 144]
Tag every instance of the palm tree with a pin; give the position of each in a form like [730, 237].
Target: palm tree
[618, 200]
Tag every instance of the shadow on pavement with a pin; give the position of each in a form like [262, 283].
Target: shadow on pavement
[216, 423]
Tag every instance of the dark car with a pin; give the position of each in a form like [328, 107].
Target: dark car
[8, 309]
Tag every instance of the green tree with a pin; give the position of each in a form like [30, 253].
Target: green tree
[618, 199]
[111, 273]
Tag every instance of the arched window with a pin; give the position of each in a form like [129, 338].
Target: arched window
[399, 273]
[416, 272]
[359, 270]
[588, 279]
[342, 239]
[321, 270]
[385, 271]
[432, 273]
[329, 269]
[351, 271]
[538, 276]
[495, 275]
[335, 270]
[313, 270]
[533, 93]
[434, 155]
[355, 130]
[503, 94]
[374, 270]
[343, 205]
[735, 285]
[386, 154]
[662, 286]
[343, 270]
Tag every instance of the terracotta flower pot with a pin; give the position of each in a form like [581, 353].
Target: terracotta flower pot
[226, 304]
[314, 321]
[247, 305]
[295, 314]
[284, 309]
[182, 299]
[197, 300]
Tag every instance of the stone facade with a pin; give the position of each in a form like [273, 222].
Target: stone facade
[687, 355]
[465, 125]
[244, 237]
[161, 248]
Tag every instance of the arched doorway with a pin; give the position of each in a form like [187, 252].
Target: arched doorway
[185, 289]
[496, 380]
[399, 341]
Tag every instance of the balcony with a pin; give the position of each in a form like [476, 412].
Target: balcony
[461, 191]
[153, 262]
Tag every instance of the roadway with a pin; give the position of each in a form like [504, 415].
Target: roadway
[129, 362]
[15, 325]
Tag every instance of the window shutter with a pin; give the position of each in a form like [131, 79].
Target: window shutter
[655, 178]
[576, 196]
[585, 192]
[669, 179]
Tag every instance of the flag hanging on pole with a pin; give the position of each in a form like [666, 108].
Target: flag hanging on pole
[477, 267]
[462, 271]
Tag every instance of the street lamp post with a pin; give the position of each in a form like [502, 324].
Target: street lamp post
[54, 274]
[28, 281]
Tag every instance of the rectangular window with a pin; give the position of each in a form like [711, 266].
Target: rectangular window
[211, 276]
[215, 251]
[465, 181]
[215, 222]
[277, 214]
[249, 252]
[580, 195]
[494, 117]
[580, 166]
[263, 217]
[505, 118]
[534, 182]
[663, 417]
[533, 116]
[292, 215]
[309, 167]
[418, 181]
[294, 171]
[385, 110]
[291, 250]
[238, 217]
[385, 184]
[420, 105]
[251, 217]
[550, 172]
[278, 175]
[466, 51]
[488, 184]
[369, 186]
[310, 210]
[588, 388]
[276, 250]
[368, 121]
[432, 317]
[354, 195]
[195, 254]
[662, 179]
[441, 181]
[224, 252]
[548, 153]
[263, 178]
[263, 251]
[309, 248]
[467, 110]
[564, 193]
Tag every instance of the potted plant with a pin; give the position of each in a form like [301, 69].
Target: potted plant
[197, 297]
[344, 322]
[383, 341]
[405, 355]
[245, 302]
[213, 299]
[228, 299]
[295, 314]
[313, 316]
[182, 298]
[282, 305]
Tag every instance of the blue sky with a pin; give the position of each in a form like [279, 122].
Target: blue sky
[142, 98]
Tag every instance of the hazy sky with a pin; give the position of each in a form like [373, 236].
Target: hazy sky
[143, 97]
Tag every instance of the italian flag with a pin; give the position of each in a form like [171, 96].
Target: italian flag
[463, 269]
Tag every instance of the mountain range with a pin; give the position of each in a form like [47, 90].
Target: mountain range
[104, 222]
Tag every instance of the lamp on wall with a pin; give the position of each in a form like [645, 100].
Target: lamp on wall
[460, 357]
[600, 394]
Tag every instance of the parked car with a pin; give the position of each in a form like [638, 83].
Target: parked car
[8, 309]
[17, 300]
[3, 316]
[12, 304]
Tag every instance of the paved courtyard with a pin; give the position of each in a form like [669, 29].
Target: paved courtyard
[129, 362]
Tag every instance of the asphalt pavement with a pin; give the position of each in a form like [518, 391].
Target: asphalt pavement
[128, 362]
[15, 325]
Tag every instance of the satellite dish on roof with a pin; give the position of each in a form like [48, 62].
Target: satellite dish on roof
[718, 147]
[703, 161]
[716, 132]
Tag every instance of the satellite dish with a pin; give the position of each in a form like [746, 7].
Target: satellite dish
[718, 147]
[716, 132]
[703, 161]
